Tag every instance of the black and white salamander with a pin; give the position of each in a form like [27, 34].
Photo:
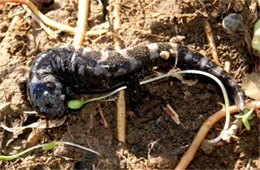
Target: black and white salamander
[89, 71]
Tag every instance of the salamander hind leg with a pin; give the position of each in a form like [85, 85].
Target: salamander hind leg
[135, 95]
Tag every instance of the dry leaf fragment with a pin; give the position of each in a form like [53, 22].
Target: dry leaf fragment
[34, 137]
[172, 113]
[251, 85]
[184, 81]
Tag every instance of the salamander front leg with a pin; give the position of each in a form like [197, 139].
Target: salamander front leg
[69, 93]
[23, 85]
[135, 95]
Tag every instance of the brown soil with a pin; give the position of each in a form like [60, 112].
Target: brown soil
[153, 141]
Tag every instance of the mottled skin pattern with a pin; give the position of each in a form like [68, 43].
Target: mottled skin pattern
[88, 71]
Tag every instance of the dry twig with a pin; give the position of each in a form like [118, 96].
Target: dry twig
[116, 14]
[82, 22]
[117, 24]
[212, 44]
[96, 33]
[121, 117]
[121, 110]
[101, 113]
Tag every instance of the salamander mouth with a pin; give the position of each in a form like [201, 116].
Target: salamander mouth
[52, 110]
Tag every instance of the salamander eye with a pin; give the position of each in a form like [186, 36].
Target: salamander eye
[50, 86]
[42, 87]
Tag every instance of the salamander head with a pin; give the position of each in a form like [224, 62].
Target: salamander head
[47, 98]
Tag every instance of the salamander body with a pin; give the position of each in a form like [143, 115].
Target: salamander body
[90, 71]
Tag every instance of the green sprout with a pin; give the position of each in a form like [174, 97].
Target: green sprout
[46, 147]
[256, 37]
[245, 117]
[77, 104]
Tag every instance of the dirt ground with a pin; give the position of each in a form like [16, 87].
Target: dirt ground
[154, 140]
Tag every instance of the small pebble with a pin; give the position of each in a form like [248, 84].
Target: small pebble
[233, 23]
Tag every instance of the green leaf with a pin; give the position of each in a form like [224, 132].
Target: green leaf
[75, 104]
[100, 6]
[246, 123]
[257, 25]
[245, 117]
[49, 146]
[256, 37]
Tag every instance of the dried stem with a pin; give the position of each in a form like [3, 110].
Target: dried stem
[117, 25]
[82, 22]
[121, 110]
[207, 125]
[212, 44]
[46, 29]
[116, 14]
[121, 117]
[101, 113]
[53, 24]
[48, 21]
[95, 33]
[42, 17]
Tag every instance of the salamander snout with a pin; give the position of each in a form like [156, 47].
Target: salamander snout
[52, 105]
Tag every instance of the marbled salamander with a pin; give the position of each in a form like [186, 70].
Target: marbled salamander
[88, 71]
